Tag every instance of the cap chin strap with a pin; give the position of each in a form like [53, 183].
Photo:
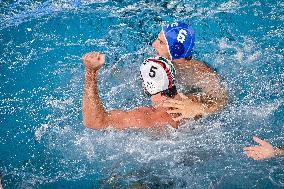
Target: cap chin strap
[171, 92]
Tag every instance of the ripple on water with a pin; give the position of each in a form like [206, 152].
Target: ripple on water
[202, 154]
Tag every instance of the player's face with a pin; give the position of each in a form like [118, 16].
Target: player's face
[160, 45]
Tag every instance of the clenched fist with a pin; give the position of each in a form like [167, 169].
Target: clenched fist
[93, 60]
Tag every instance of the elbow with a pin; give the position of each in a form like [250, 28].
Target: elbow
[221, 102]
[93, 120]
[94, 124]
[89, 124]
[216, 105]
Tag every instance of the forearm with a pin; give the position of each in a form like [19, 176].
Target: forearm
[209, 103]
[279, 151]
[93, 111]
[204, 105]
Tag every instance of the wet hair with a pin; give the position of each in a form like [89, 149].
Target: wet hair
[189, 57]
[171, 92]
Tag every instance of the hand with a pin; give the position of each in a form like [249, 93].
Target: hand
[263, 151]
[185, 108]
[93, 60]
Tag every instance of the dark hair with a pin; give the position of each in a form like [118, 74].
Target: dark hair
[189, 57]
[171, 92]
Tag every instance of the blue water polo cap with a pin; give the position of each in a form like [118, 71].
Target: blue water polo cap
[180, 39]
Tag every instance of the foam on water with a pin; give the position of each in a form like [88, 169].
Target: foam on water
[43, 141]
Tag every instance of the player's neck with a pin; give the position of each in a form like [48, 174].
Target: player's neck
[157, 100]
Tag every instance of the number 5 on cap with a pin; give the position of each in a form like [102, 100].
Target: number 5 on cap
[152, 72]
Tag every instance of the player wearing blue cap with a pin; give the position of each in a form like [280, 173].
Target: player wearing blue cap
[199, 85]
[158, 78]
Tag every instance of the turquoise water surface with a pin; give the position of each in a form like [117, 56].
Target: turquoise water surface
[43, 143]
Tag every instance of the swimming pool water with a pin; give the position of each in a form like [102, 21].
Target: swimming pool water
[43, 143]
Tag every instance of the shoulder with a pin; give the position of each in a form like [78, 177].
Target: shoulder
[194, 66]
[201, 66]
[155, 117]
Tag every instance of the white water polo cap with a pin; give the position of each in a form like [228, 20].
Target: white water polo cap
[158, 75]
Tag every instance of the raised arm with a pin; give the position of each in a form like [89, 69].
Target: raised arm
[94, 114]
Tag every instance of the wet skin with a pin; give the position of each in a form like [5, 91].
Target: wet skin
[96, 117]
[203, 91]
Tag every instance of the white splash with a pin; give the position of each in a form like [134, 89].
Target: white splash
[39, 132]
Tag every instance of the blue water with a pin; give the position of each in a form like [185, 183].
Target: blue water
[43, 143]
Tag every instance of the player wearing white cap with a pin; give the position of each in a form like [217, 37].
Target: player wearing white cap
[158, 77]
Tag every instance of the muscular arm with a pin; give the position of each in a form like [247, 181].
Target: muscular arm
[95, 116]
